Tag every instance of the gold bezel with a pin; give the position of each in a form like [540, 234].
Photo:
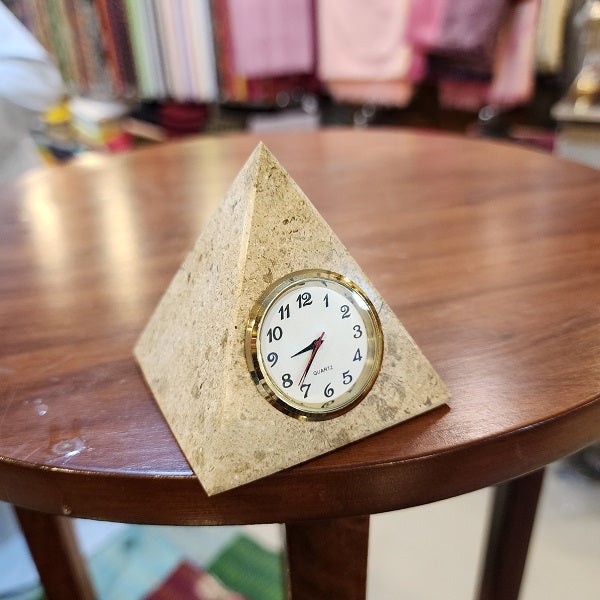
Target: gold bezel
[269, 389]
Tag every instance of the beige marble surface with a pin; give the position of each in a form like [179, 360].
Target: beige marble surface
[192, 350]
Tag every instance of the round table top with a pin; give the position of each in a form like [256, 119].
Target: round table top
[488, 253]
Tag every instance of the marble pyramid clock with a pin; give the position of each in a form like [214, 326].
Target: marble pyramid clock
[270, 345]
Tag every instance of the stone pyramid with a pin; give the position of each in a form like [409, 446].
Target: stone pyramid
[192, 350]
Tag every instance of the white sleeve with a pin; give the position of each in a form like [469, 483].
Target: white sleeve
[28, 77]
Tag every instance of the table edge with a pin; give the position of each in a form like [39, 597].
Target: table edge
[327, 492]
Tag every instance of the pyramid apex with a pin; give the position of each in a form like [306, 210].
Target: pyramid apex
[262, 152]
[258, 158]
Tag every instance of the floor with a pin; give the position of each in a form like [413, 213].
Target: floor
[441, 545]
[428, 552]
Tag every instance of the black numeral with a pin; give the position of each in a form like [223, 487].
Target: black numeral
[275, 333]
[328, 391]
[286, 380]
[357, 355]
[304, 388]
[345, 310]
[304, 299]
[346, 378]
[326, 300]
[272, 358]
[357, 331]
[284, 312]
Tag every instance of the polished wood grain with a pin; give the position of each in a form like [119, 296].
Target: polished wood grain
[488, 253]
[54, 549]
[314, 571]
[511, 524]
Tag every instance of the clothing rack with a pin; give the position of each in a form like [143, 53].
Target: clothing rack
[264, 52]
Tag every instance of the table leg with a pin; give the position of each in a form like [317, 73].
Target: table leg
[328, 559]
[513, 514]
[54, 549]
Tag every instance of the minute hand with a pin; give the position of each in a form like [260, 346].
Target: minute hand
[316, 345]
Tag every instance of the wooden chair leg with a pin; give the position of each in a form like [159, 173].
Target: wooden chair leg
[328, 559]
[513, 515]
[54, 549]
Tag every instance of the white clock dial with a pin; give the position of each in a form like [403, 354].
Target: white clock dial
[314, 344]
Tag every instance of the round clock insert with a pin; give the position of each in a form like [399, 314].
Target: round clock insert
[314, 344]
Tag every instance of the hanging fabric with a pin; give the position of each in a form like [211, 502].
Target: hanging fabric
[363, 55]
[272, 38]
[479, 52]
[263, 79]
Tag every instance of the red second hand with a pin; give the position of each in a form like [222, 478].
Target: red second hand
[318, 343]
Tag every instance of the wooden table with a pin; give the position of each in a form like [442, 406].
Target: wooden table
[488, 253]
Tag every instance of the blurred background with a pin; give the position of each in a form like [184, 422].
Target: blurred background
[143, 71]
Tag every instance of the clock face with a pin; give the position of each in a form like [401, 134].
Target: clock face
[314, 344]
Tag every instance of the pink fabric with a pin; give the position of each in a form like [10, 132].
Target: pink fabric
[418, 67]
[513, 71]
[271, 38]
[424, 22]
[463, 94]
[395, 92]
[363, 54]
[514, 67]
[470, 29]
[361, 40]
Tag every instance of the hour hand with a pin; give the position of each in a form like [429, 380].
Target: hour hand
[311, 346]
